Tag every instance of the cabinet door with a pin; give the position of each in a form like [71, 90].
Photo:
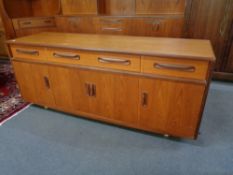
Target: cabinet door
[81, 90]
[34, 83]
[155, 26]
[114, 96]
[171, 107]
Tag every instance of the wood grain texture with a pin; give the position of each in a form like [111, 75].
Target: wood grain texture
[199, 72]
[31, 80]
[33, 22]
[164, 47]
[171, 108]
[116, 7]
[110, 99]
[160, 6]
[92, 59]
[72, 7]
[17, 54]
[211, 19]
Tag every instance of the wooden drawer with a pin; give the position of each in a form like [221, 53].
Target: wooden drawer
[175, 67]
[160, 6]
[33, 22]
[95, 59]
[28, 52]
[111, 25]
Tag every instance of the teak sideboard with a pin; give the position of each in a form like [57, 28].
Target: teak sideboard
[158, 85]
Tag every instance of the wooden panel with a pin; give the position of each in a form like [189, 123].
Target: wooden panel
[32, 82]
[212, 19]
[72, 7]
[111, 93]
[104, 60]
[116, 7]
[125, 99]
[160, 6]
[164, 47]
[33, 22]
[3, 51]
[175, 67]
[171, 107]
[45, 7]
[13, 10]
[77, 24]
[156, 26]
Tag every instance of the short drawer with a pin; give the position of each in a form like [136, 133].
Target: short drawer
[174, 67]
[31, 23]
[95, 59]
[28, 52]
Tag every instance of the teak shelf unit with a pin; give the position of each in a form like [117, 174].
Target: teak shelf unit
[154, 84]
[128, 17]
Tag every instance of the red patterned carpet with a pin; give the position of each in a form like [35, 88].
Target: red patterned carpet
[10, 98]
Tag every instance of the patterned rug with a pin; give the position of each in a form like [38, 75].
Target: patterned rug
[10, 98]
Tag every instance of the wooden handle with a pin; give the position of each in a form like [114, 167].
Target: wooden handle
[112, 29]
[144, 99]
[66, 55]
[114, 61]
[47, 84]
[111, 20]
[88, 89]
[27, 52]
[175, 67]
[93, 90]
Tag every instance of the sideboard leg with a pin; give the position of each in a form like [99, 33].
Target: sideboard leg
[166, 135]
[46, 107]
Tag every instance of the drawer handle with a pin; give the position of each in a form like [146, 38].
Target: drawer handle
[111, 20]
[175, 67]
[27, 23]
[48, 21]
[28, 52]
[65, 55]
[114, 60]
[112, 29]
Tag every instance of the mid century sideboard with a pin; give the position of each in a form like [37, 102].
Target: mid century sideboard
[153, 84]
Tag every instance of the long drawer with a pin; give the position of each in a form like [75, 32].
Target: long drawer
[103, 60]
[180, 68]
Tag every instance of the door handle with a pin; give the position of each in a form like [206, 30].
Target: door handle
[93, 90]
[47, 84]
[144, 99]
[88, 89]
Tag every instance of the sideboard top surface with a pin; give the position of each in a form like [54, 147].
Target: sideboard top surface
[154, 46]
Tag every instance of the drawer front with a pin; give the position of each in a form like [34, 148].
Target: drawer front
[111, 26]
[30, 23]
[175, 67]
[105, 60]
[27, 52]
